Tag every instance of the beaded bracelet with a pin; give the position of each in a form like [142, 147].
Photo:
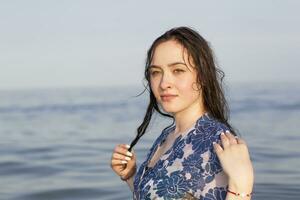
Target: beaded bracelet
[240, 194]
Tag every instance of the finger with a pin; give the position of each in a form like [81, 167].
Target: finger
[118, 156]
[118, 162]
[225, 141]
[124, 146]
[232, 139]
[218, 149]
[121, 149]
[127, 146]
[241, 141]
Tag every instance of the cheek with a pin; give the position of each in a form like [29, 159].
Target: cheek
[189, 89]
[154, 88]
[185, 85]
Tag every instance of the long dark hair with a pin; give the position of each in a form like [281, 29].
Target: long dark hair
[209, 77]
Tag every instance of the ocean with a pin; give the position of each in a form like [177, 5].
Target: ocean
[57, 143]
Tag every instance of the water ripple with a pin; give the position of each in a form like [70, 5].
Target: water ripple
[65, 194]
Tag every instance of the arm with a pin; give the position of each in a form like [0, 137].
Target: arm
[241, 175]
[130, 183]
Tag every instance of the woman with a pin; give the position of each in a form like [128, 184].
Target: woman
[186, 161]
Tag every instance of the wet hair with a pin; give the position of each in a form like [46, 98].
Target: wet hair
[209, 77]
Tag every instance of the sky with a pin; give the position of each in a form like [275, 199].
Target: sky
[83, 43]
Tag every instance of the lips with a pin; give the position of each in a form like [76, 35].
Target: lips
[167, 97]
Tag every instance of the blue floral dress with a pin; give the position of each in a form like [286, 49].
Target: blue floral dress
[190, 169]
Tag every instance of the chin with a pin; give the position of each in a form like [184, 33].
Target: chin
[170, 109]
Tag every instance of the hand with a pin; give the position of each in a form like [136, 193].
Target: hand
[235, 160]
[123, 162]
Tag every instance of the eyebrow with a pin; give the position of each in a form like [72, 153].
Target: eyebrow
[169, 65]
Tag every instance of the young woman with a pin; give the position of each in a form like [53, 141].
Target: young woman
[192, 158]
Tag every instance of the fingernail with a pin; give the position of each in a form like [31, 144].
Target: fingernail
[127, 158]
[124, 162]
[214, 143]
[227, 131]
[127, 146]
[222, 133]
[236, 137]
[128, 153]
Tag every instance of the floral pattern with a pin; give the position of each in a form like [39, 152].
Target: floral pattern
[189, 167]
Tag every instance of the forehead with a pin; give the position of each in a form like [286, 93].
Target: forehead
[169, 52]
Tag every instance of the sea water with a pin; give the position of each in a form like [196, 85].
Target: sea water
[57, 143]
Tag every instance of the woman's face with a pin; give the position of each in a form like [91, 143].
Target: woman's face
[171, 74]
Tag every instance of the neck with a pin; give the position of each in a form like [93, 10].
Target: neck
[184, 119]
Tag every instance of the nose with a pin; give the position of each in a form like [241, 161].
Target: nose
[166, 81]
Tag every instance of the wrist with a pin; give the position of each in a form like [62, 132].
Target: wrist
[240, 187]
[129, 176]
[237, 195]
[126, 179]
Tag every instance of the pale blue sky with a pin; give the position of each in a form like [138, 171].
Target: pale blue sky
[72, 43]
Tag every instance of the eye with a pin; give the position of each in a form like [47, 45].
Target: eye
[153, 73]
[178, 71]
